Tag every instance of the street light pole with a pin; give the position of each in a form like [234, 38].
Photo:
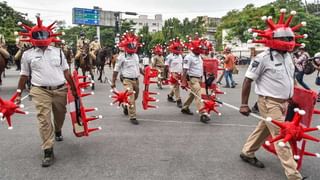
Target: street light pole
[117, 22]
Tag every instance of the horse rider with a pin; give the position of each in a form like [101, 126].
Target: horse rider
[22, 46]
[94, 48]
[3, 50]
[80, 43]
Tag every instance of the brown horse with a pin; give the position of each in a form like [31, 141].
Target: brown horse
[68, 54]
[2, 66]
[86, 63]
[104, 55]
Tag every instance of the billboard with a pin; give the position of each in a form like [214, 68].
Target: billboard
[86, 16]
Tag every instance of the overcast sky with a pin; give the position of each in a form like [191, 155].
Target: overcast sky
[62, 9]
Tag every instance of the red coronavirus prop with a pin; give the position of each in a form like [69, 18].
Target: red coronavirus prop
[272, 37]
[175, 46]
[39, 35]
[78, 112]
[149, 73]
[293, 132]
[8, 108]
[122, 98]
[129, 42]
[197, 44]
[158, 50]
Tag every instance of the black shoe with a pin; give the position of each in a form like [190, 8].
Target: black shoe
[125, 110]
[58, 136]
[204, 118]
[186, 111]
[134, 121]
[48, 158]
[252, 161]
[170, 99]
[226, 86]
[179, 103]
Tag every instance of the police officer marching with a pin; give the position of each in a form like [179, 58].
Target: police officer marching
[192, 76]
[158, 63]
[127, 65]
[49, 70]
[174, 63]
[273, 72]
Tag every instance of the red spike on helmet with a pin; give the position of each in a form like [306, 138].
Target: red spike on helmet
[196, 45]
[129, 42]
[282, 29]
[158, 50]
[39, 35]
[175, 46]
[208, 47]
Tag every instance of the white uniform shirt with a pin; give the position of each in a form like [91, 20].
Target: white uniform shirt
[273, 78]
[46, 67]
[193, 64]
[174, 62]
[128, 65]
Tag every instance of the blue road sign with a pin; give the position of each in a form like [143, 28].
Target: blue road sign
[85, 16]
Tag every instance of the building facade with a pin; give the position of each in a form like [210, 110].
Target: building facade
[154, 25]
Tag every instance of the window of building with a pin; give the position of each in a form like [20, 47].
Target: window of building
[154, 24]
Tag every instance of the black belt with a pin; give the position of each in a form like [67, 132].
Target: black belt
[50, 87]
[132, 79]
[194, 77]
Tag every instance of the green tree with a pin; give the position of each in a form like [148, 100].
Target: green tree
[238, 22]
[8, 22]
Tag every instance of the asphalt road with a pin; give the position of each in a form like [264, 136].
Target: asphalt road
[167, 145]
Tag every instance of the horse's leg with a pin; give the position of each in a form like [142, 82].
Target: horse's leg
[0, 78]
[92, 78]
[84, 74]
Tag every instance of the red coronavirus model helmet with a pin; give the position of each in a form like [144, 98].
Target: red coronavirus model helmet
[197, 45]
[279, 36]
[39, 35]
[158, 50]
[129, 42]
[208, 47]
[175, 46]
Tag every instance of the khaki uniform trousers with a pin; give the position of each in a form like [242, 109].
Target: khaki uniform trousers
[276, 110]
[4, 53]
[175, 87]
[132, 85]
[47, 101]
[195, 86]
[18, 55]
[77, 56]
[161, 73]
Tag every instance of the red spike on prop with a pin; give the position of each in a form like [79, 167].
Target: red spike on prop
[271, 24]
[122, 97]
[297, 27]
[8, 108]
[26, 27]
[78, 112]
[292, 131]
[39, 22]
[287, 24]
[51, 25]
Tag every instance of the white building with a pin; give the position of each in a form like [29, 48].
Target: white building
[154, 25]
[239, 48]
